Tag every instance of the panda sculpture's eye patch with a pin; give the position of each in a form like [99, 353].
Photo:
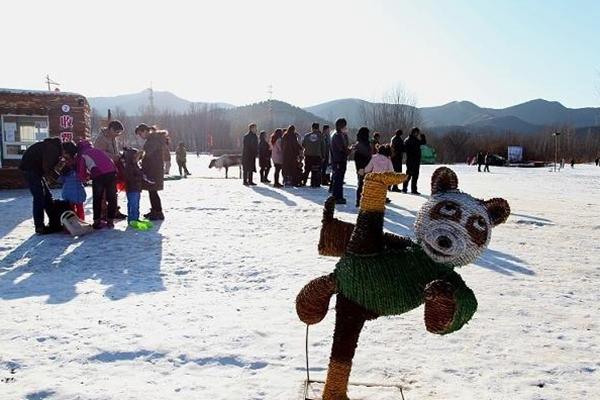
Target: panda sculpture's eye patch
[446, 210]
[478, 229]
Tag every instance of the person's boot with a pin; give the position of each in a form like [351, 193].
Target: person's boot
[110, 224]
[97, 224]
[42, 230]
[148, 214]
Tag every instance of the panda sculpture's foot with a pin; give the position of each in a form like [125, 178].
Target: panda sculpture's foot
[336, 384]
[440, 305]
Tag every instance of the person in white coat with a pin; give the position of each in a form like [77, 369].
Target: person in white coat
[277, 155]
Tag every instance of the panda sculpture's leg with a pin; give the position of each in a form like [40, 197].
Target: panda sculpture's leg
[349, 321]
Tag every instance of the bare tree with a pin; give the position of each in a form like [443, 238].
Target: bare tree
[397, 110]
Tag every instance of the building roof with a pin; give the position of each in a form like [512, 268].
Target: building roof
[38, 92]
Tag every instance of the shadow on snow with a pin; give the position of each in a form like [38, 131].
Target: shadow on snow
[398, 220]
[52, 265]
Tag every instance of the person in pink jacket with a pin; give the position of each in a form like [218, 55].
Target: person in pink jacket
[96, 164]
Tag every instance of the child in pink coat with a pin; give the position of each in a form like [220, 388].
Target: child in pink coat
[381, 162]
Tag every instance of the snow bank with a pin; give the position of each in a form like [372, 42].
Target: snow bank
[203, 305]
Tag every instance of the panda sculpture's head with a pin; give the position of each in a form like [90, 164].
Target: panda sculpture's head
[453, 227]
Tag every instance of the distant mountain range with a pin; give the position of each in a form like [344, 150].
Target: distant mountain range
[527, 117]
[133, 103]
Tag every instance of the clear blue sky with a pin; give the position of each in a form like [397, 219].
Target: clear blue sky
[494, 53]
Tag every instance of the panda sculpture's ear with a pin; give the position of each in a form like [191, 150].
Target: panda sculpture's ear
[498, 210]
[443, 180]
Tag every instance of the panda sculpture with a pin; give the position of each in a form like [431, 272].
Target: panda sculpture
[382, 274]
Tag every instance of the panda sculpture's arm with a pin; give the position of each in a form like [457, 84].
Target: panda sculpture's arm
[396, 242]
[449, 304]
[335, 234]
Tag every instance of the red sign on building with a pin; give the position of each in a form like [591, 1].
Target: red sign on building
[66, 136]
[66, 122]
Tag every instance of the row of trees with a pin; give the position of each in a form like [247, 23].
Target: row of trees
[201, 128]
[208, 128]
[457, 145]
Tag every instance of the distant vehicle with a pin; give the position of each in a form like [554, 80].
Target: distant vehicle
[497, 160]
[428, 154]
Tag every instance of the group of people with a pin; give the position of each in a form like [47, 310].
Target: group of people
[106, 166]
[288, 151]
[299, 157]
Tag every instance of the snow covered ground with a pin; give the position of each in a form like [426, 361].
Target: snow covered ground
[202, 307]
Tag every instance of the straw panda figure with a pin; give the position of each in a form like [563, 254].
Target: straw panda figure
[384, 274]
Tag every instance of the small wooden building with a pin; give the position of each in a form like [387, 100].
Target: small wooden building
[30, 116]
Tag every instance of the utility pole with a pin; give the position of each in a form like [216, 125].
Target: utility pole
[50, 82]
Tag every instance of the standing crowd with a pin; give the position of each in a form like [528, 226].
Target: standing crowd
[321, 157]
[107, 167]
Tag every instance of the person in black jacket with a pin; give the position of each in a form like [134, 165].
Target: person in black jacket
[362, 156]
[339, 152]
[39, 162]
[480, 160]
[264, 157]
[249, 154]
[397, 145]
[412, 147]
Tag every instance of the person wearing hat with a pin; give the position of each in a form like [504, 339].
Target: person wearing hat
[107, 142]
[107, 139]
[153, 167]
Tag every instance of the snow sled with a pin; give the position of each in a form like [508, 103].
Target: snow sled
[74, 225]
[141, 225]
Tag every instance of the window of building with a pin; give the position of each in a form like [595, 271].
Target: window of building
[21, 131]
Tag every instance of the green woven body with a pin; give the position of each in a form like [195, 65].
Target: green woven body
[393, 282]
